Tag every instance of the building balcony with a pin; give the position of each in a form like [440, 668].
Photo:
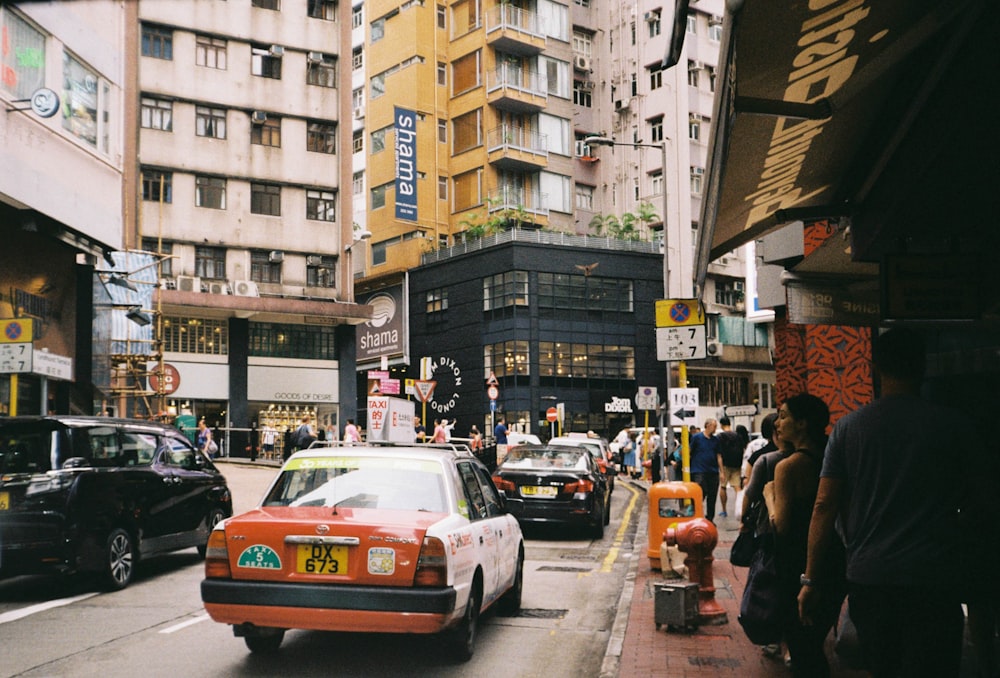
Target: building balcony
[523, 207]
[515, 89]
[516, 148]
[514, 30]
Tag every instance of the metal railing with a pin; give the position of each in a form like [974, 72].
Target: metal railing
[540, 238]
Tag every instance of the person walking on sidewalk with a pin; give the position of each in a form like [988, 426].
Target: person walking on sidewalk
[802, 422]
[874, 479]
[731, 453]
[705, 463]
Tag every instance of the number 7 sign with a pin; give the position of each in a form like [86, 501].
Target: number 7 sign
[681, 343]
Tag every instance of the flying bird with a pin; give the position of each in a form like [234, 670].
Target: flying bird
[587, 269]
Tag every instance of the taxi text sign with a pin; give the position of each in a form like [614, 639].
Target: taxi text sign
[679, 312]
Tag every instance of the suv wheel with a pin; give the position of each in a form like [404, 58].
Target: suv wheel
[119, 560]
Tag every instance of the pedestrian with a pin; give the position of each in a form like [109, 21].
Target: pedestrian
[475, 439]
[440, 434]
[419, 431]
[760, 446]
[731, 453]
[500, 431]
[351, 433]
[303, 436]
[206, 443]
[705, 464]
[449, 426]
[873, 486]
[802, 422]
[268, 435]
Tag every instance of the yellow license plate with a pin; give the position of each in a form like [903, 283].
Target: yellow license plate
[4, 501]
[535, 491]
[321, 559]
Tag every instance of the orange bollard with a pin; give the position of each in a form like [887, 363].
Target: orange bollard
[697, 538]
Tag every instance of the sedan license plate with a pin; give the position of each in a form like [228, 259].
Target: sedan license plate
[4, 501]
[537, 491]
[321, 559]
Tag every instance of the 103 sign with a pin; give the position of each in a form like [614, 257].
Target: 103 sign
[681, 343]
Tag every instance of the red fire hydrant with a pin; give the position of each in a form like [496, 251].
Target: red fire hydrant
[697, 538]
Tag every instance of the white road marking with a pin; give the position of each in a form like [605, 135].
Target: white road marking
[41, 607]
[185, 624]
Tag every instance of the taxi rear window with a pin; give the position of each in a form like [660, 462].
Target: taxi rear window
[349, 481]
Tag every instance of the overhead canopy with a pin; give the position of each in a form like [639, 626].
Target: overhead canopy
[876, 112]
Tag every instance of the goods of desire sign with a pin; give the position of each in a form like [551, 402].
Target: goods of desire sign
[448, 375]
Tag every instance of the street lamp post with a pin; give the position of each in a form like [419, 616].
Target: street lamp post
[359, 236]
[605, 141]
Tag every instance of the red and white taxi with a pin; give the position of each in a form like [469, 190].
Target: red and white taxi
[371, 538]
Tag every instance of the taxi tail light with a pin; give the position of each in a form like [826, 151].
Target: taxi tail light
[432, 564]
[504, 485]
[217, 556]
[580, 486]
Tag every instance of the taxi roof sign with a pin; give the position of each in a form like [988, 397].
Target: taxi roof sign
[679, 312]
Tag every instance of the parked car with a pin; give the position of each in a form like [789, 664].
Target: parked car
[555, 484]
[514, 438]
[598, 448]
[371, 538]
[97, 495]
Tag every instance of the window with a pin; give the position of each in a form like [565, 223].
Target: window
[159, 247]
[693, 70]
[321, 271]
[655, 77]
[582, 93]
[158, 42]
[591, 297]
[358, 141]
[654, 24]
[728, 292]
[505, 289]
[378, 141]
[656, 182]
[210, 122]
[468, 190]
[656, 129]
[442, 73]
[378, 30]
[357, 58]
[195, 335]
[584, 197]
[272, 340]
[441, 16]
[465, 73]
[210, 52]
[210, 192]
[322, 9]
[21, 76]
[467, 131]
[442, 188]
[321, 205]
[507, 359]
[378, 197]
[359, 183]
[210, 262]
[715, 29]
[321, 137]
[464, 17]
[155, 180]
[692, 24]
[582, 43]
[265, 199]
[379, 253]
[694, 129]
[711, 78]
[697, 175]
[377, 85]
[716, 390]
[322, 73]
[157, 114]
[263, 269]
[267, 4]
[264, 64]
[357, 17]
[437, 301]
[558, 361]
[442, 130]
[267, 133]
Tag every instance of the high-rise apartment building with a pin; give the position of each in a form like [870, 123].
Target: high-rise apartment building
[243, 156]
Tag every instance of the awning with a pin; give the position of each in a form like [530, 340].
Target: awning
[871, 112]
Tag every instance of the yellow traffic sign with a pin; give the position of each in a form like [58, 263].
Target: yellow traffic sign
[15, 331]
[679, 312]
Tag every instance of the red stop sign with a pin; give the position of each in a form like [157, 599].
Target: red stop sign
[552, 414]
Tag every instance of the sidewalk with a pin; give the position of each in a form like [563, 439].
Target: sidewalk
[637, 648]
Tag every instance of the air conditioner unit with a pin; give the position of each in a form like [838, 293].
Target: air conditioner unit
[651, 16]
[276, 50]
[695, 66]
[581, 63]
[715, 20]
[218, 288]
[359, 112]
[622, 105]
[714, 349]
[245, 288]
[315, 57]
[587, 85]
[188, 283]
[314, 260]
[258, 117]
[276, 256]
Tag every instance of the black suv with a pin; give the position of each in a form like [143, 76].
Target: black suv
[95, 494]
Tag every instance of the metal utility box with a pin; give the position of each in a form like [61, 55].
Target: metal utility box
[670, 503]
[675, 604]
